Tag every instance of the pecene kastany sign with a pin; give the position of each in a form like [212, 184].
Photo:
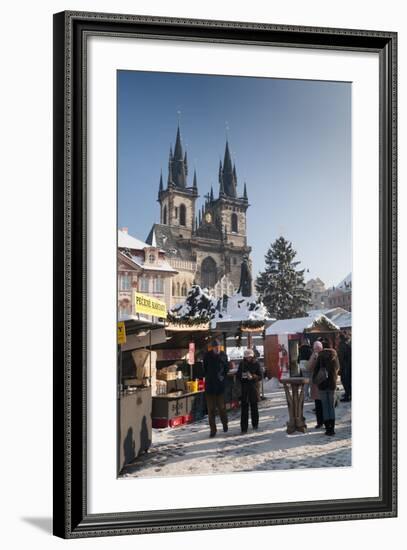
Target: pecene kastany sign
[149, 306]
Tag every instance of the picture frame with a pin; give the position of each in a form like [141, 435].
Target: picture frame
[70, 476]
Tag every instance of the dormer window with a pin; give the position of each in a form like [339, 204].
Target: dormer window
[151, 258]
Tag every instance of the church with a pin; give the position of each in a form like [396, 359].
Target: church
[205, 245]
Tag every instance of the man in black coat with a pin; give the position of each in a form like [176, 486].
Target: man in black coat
[216, 368]
[249, 373]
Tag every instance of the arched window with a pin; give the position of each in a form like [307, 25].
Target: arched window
[173, 289]
[184, 289]
[165, 215]
[182, 215]
[234, 223]
[178, 290]
[208, 273]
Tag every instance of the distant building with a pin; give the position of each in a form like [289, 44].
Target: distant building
[318, 293]
[205, 246]
[142, 268]
[341, 295]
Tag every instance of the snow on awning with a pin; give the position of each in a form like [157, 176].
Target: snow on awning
[298, 326]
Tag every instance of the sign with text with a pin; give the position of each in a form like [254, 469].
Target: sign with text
[121, 333]
[149, 306]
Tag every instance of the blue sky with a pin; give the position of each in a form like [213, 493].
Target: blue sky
[290, 140]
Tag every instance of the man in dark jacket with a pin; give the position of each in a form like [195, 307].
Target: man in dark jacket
[249, 373]
[216, 368]
[326, 375]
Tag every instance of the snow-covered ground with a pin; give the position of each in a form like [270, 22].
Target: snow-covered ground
[188, 450]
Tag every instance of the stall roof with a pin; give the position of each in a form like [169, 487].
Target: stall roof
[299, 325]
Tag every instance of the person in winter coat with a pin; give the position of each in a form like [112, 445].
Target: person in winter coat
[325, 375]
[304, 355]
[316, 349]
[345, 360]
[249, 373]
[216, 367]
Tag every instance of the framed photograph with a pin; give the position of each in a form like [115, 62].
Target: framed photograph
[225, 278]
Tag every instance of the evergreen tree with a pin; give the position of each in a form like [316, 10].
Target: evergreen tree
[281, 286]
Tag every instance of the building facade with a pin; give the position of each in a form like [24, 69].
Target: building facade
[341, 295]
[319, 293]
[142, 267]
[205, 245]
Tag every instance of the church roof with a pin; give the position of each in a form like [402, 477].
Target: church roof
[167, 238]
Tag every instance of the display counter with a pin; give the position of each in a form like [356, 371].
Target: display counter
[135, 424]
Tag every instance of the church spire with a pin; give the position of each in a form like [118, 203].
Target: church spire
[178, 170]
[194, 184]
[227, 175]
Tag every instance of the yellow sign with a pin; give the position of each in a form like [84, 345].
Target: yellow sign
[149, 306]
[121, 333]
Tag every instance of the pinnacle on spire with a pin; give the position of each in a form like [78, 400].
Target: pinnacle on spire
[186, 163]
[199, 217]
[245, 192]
[211, 195]
[161, 186]
[194, 184]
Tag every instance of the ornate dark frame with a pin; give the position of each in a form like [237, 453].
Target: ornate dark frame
[71, 518]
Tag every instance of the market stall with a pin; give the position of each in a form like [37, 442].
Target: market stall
[284, 337]
[136, 370]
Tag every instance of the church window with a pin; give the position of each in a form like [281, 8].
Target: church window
[178, 289]
[165, 215]
[176, 212]
[208, 273]
[173, 289]
[182, 215]
[184, 289]
[234, 223]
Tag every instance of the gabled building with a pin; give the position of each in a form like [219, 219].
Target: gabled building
[205, 245]
[142, 267]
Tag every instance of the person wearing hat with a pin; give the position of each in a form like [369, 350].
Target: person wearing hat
[249, 373]
[216, 367]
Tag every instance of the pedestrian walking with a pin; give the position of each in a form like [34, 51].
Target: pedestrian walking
[317, 347]
[249, 373]
[325, 376]
[304, 355]
[345, 361]
[216, 367]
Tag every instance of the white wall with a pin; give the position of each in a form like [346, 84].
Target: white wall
[26, 220]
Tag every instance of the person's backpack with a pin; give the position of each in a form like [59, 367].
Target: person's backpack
[320, 376]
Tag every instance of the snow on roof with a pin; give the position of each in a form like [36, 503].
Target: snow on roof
[337, 315]
[242, 308]
[127, 241]
[161, 265]
[346, 282]
[297, 326]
